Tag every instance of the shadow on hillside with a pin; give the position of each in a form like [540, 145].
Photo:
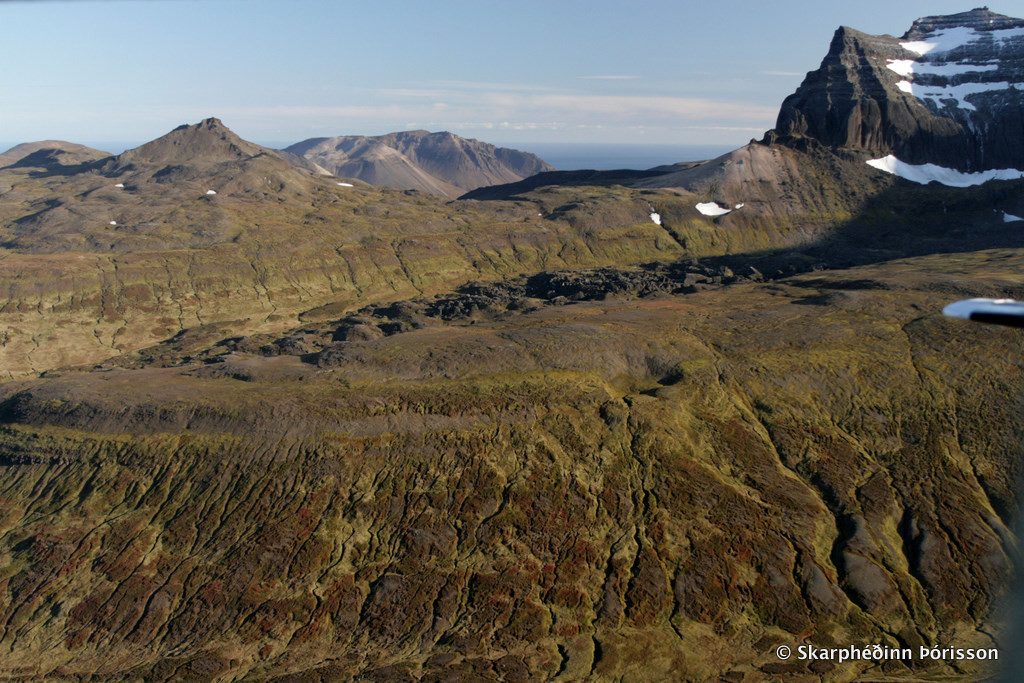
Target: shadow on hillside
[580, 178]
[909, 219]
[901, 220]
[48, 163]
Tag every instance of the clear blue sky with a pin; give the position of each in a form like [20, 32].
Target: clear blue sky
[657, 71]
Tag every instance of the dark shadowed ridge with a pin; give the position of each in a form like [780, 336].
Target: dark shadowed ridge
[46, 152]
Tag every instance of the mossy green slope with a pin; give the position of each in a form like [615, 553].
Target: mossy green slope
[80, 290]
[664, 488]
[116, 254]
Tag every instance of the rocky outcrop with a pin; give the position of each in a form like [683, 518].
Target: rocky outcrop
[949, 92]
[439, 163]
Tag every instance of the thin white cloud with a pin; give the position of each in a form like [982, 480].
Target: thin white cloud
[415, 92]
[620, 116]
[503, 105]
[636, 106]
[610, 78]
[747, 129]
[478, 85]
[783, 73]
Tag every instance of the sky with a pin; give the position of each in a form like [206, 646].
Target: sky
[108, 72]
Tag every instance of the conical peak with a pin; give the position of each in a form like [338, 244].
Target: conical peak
[208, 140]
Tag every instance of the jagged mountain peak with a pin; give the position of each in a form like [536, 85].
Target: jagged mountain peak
[949, 92]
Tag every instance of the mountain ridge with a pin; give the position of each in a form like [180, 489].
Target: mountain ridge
[50, 151]
[208, 140]
[200, 229]
[439, 163]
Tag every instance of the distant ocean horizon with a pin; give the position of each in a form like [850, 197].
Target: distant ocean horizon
[570, 156]
[565, 156]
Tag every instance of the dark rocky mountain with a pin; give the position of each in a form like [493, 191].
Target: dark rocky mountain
[208, 140]
[73, 199]
[211, 152]
[438, 163]
[949, 92]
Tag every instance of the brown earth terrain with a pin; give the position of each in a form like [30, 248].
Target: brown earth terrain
[91, 269]
[623, 450]
[667, 486]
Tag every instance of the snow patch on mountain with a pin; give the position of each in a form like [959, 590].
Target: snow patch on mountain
[952, 38]
[712, 209]
[910, 67]
[943, 41]
[945, 71]
[954, 94]
[926, 173]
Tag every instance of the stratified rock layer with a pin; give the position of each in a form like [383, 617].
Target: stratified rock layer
[950, 92]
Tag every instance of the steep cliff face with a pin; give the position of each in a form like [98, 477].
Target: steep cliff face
[949, 92]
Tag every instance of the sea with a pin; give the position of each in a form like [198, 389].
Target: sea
[565, 156]
[570, 156]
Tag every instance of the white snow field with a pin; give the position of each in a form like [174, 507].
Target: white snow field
[926, 173]
[712, 209]
[933, 60]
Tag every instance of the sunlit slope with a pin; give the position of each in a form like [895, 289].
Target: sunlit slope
[438, 163]
[664, 487]
[203, 228]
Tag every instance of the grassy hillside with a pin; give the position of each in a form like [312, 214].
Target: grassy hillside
[668, 486]
[77, 289]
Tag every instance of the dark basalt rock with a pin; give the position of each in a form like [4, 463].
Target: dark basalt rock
[855, 101]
